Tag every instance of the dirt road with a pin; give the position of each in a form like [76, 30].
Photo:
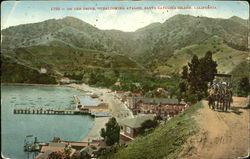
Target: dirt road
[222, 135]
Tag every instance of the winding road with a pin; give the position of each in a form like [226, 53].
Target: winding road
[222, 135]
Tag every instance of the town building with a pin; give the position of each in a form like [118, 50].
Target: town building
[56, 145]
[131, 126]
[43, 70]
[164, 107]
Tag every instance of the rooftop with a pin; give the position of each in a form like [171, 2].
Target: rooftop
[57, 144]
[52, 148]
[157, 100]
[44, 155]
[137, 121]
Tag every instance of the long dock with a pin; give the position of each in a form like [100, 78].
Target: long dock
[59, 112]
[51, 112]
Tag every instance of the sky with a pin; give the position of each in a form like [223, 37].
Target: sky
[22, 12]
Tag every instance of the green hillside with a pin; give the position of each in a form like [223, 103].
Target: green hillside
[165, 141]
[61, 60]
[12, 72]
[240, 71]
[70, 47]
[160, 41]
[59, 57]
[226, 57]
[155, 42]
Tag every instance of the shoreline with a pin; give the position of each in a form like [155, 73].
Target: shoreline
[116, 108]
[29, 84]
[94, 131]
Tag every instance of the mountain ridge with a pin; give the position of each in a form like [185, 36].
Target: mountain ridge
[156, 42]
[77, 19]
[92, 33]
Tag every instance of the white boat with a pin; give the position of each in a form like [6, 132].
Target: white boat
[2, 156]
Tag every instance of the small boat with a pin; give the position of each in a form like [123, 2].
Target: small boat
[2, 156]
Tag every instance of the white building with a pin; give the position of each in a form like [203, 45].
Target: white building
[43, 70]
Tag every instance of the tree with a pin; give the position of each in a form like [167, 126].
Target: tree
[147, 125]
[117, 74]
[67, 151]
[112, 132]
[92, 78]
[84, 155]
[158, 118]
[207, 72]
[195, 77]
[184, 74]
[243, 87]
[57, 155]
[183, 86]
[208, 67]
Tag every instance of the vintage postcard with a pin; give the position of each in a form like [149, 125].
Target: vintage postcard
[125, 79]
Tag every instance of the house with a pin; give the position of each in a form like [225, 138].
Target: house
[130, 127]
[135, 102]
[164, 107]
[161, 90]
[65, 80]
[136, 95]
[119, 95]
[118, 83]
[54, 147]
[92, 150]
[57, 145]
[119, 92]
[43, 70]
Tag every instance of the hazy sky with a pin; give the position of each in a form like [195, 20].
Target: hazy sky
[15, 13]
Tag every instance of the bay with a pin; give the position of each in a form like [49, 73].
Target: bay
[15, 127]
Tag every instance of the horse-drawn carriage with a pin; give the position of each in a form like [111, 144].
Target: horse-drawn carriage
[220, 92]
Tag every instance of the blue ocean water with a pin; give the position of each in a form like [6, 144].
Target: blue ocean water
[15, 127]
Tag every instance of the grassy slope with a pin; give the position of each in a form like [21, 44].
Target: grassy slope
[58, 56]
[226, 57]
[165, 141]
[242, 70]
[60, 59]
[155, 42]
[13, 72]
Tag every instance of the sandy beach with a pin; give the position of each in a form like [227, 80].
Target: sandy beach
[94, 132]
[116, 108]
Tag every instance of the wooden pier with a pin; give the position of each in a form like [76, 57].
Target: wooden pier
[59, 112]
[51, 112]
